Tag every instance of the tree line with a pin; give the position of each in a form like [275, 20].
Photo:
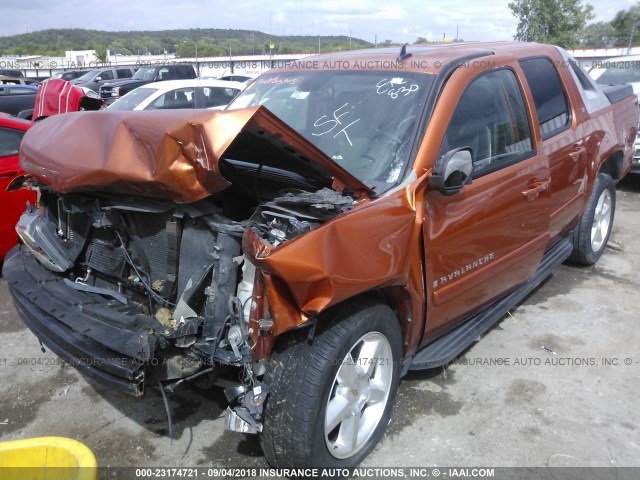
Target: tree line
[182, 42]
[557, 22]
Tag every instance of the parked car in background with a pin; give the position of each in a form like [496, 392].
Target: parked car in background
[236, 78]
[57, 96]
[619, 70]
[94, 79]
[10, 72]
[635, 164]
[13, 203]
[175, 94]
[111, 91]
[4, 80]
[16, 98]
[70, 74]
[231, 78]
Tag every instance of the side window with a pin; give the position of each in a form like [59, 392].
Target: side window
[491, 119]
[185, 71]
[21, 91]
[165, 74]
[548, 95]
[106, 75]
[218, 96]
[10, 141]
[180, 98]
[124, 73]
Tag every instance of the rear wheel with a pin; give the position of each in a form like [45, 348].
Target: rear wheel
[331, 400]
[592, 233]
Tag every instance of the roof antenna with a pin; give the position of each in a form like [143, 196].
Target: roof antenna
[403, 53]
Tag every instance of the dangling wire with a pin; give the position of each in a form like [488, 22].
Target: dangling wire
[166, 407]
[147, 287]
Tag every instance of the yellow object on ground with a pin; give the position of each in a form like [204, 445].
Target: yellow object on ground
[47, 458]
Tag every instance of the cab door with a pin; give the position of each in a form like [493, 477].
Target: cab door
[490, 237]
[562, 141]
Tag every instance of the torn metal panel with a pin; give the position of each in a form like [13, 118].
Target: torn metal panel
[316, 282]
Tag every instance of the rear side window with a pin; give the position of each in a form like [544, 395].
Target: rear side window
[491, 119]
[218, 96]
[10, 141]
[180, 98]
[185, 71]
[548, 95]
[124, 73]
[166, 73]
[106, 75]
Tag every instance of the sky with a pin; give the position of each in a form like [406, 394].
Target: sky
[398, 20]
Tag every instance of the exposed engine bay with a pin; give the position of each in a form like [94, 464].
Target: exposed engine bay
[174, 270]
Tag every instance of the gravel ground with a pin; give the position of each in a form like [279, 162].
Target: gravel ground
[506, 402]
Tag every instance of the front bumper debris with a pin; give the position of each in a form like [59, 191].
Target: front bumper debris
[98, 337]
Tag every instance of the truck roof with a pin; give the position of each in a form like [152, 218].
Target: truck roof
[424, 58]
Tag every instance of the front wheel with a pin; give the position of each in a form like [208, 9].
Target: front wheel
[331, 400]
[591, 235]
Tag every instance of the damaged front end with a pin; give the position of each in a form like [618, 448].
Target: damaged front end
[153, 281]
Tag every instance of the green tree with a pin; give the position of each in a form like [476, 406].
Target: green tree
[186, 49]
[599, 34]
[101, 53]
[558, 22]
[626, 26]
[118, 46]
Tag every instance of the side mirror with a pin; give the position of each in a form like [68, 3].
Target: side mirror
[452, 171]
[98, 79]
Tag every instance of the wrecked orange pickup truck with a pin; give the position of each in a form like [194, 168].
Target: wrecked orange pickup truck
[349, 218]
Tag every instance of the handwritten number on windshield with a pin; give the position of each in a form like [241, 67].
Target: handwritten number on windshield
[395, 87]
[330, 124]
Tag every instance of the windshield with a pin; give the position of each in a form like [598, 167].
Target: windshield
[366, 121]
[145, 74]
[86, 77]
[620, 72]
[132, 99]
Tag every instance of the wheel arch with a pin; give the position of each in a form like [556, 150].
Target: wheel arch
[613, 165]
[396, 298]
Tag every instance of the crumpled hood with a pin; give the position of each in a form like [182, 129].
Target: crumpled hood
[172, 154]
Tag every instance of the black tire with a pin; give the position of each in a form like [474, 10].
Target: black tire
[591, 235]
[303, 375]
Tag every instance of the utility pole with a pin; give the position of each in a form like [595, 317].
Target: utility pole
[318, 43]
[633, 31]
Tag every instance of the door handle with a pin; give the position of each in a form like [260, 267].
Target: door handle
[535, 188]
[576, 152]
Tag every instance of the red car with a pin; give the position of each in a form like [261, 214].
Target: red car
[13, 203]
